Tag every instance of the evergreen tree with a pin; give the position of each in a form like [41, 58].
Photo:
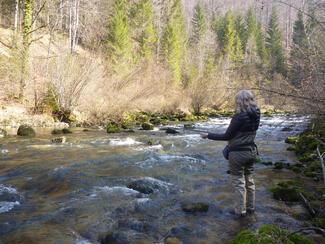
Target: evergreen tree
[174, 39]
[118, 40]
[229, 37]
[143, 19]
[198, 24]
[241, 30]
[232, 46]
[260, 43]
[298, 60]
[274, 45]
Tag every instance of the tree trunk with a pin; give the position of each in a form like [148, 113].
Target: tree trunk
[16, 15]
[28, 21]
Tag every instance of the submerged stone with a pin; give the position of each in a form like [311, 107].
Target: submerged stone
[56, 132]
[171, 131]
[66, 131]
[25, 130]
[59, 140]
[172, 240]
[195, 207]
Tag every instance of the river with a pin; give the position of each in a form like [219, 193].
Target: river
[77, 192]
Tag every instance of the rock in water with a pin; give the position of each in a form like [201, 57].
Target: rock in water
[25, 130]
[195, 207]
[59, 140]
[3, 133]
[147, 126]
[171, 131]
[66, 131]
[149, 185]
[172, 240]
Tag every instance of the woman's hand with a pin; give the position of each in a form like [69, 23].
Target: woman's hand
[204, 135]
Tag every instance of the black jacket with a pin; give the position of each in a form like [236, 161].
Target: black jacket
[241, 122]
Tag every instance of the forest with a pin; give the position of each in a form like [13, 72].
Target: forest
[55, 55]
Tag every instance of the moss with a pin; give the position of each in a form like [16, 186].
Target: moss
[291, 139]
[25, 130]
[147, 126]
[269, 234]
[113, 127]
[286, 191]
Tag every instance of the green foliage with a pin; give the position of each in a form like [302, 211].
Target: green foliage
[142, 15]
[298, 55]
[119, 47]
[269, 234]
[113, 127]
[260, 43]
[27, 21]
[274, 46]
[199, 25]
[174, 40]
[286, 191]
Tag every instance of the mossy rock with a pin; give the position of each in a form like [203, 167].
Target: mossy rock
[66, 131]
[3, 133]
[189, 126]
[196, 207]
[25, 130]
[269, 234]
[286, 191]
[56, 132]
[291, 139]
[147, 126]
[113, 127]
[172, 240]
[155, 120]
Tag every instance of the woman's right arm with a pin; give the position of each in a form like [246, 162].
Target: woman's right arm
[231, 131]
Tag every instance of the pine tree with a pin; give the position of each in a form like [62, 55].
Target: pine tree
[118, 40]
[229, 35]
[143, 19]
[241, 30]
[232, 46]
[274, 46]
[198, 24]
[174, 40]
[260, 43]
[298, 60]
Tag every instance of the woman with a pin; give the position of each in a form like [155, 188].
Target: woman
[242, 149]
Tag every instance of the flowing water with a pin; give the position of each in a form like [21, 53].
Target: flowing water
[77, 191]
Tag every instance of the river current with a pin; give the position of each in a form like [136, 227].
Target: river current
[77, 192]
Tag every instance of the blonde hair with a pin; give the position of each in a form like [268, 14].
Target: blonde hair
[245, 101]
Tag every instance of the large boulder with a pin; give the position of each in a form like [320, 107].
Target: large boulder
[3, 133]
[25, 130]
[171, 131]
